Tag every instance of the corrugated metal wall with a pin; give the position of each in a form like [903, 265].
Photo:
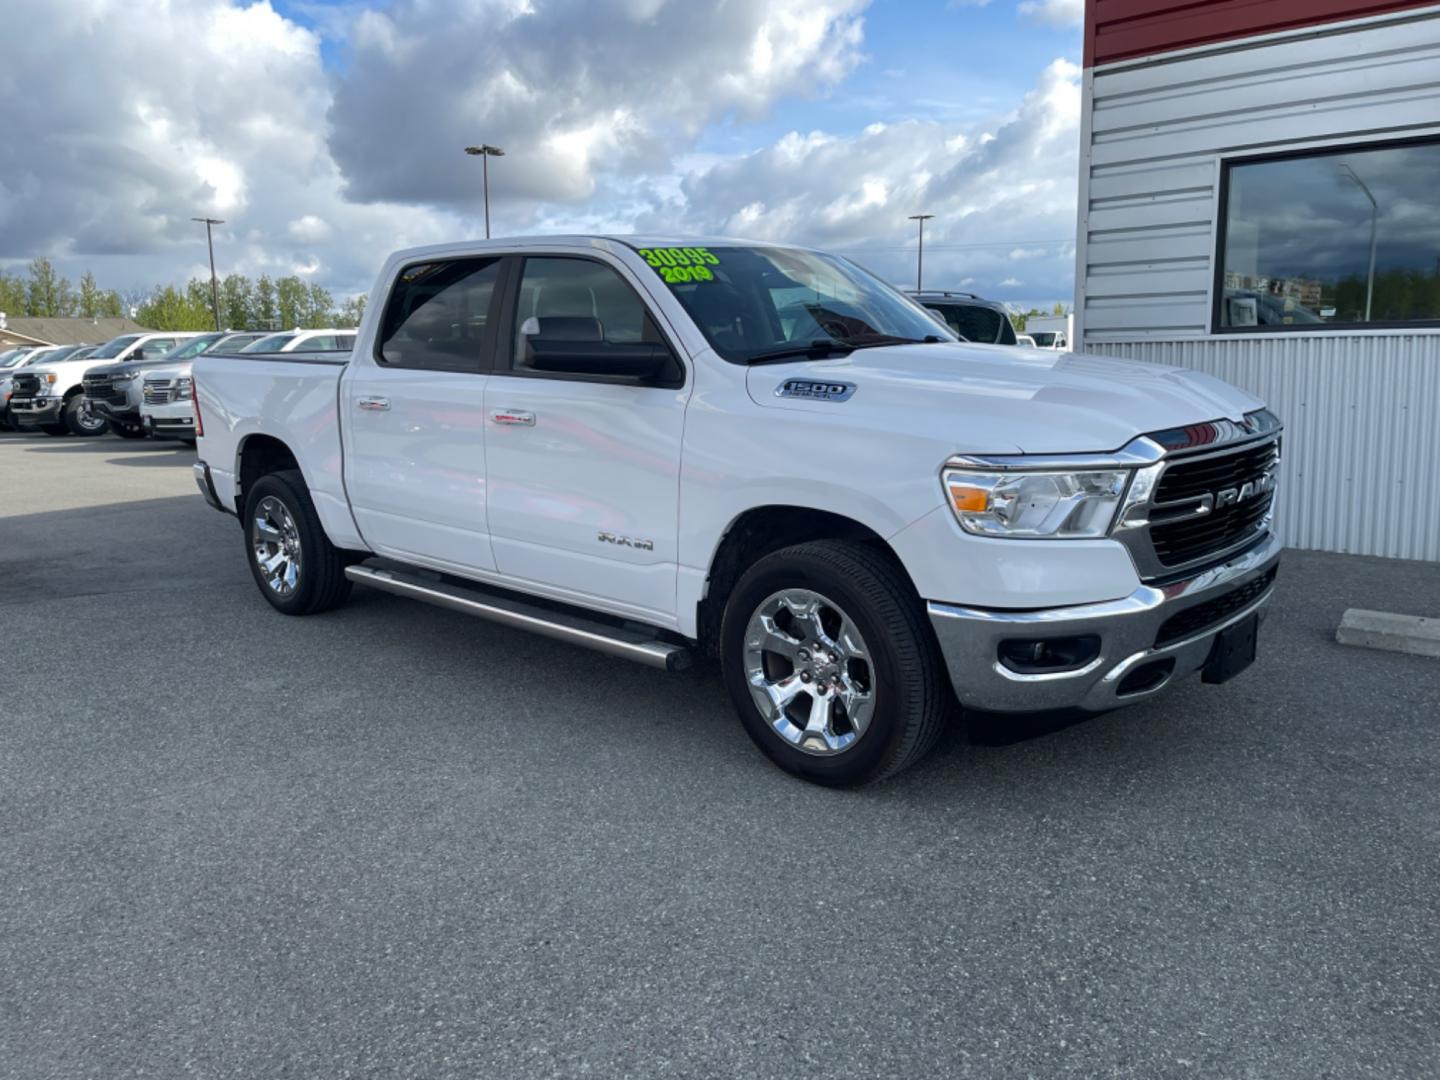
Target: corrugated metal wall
[1361, 471]
[1362, 462]
[1156, 130]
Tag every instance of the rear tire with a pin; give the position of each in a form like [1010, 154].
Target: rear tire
[126, 431]
[830, 663]
[293, 562]
[79, 420]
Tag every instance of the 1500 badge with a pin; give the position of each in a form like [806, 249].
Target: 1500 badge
[815, 391]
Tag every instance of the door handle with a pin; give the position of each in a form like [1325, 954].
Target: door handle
[512, 416]
[373, 404]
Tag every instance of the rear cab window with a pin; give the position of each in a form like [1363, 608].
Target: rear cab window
[439, 316]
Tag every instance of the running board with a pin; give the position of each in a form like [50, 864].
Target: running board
[509, 611]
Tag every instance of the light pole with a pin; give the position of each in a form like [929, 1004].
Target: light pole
[1349, 173]
[920, 252]
[210, 243]
[485, 152]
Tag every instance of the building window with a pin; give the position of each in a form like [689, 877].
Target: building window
[1336, 239]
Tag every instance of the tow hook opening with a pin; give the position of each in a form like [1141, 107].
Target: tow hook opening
[1146, 677]
[1044, 656]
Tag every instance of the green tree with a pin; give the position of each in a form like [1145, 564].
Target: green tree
[89, 299]
[351, 312]
[318, 305]
[264, 309]
[13, 299]
[197, 292]
[237, 302]
[42, 291]
[290, 301]
[170, 309]
[111, 306]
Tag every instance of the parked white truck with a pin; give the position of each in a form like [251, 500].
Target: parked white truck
[50, 394]
[658, 447]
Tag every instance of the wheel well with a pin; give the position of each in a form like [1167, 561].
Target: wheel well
[760, 531]
[261, 455]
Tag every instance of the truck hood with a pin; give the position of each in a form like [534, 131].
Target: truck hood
[995, 399]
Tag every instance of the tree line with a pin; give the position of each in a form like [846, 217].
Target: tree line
[262, 304]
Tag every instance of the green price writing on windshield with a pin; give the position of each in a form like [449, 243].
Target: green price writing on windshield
[679, 265]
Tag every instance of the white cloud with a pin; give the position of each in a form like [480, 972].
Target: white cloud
[573, 90]
[224, 108]
[1054, 12]
[1002, 191]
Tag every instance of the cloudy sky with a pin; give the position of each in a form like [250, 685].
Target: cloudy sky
[327, 134]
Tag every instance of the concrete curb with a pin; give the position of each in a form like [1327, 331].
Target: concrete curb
[1412, 634]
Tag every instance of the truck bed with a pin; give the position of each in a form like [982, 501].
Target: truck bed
[291, 397]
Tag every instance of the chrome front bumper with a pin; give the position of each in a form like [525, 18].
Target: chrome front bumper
[29, 412]
[970, 640]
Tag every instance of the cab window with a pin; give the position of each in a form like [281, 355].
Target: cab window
[438, 316]
[578, 318]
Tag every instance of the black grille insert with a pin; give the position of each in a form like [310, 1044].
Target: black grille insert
[1195, 620]
[25, 385]
[1195, 537]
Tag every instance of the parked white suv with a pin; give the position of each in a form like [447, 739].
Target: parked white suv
[50, 395]
[661, 447]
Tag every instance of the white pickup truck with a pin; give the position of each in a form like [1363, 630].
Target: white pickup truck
[661, 447]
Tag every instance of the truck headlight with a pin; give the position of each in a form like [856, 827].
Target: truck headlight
[1042, 504]
[182, 389]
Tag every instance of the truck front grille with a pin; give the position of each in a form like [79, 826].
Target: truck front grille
[25, 386]
[1211, 505]
[102, 389]
[158, 394]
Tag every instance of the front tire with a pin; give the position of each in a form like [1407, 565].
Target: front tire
[827, 657]
[80, 420]
[292, 560]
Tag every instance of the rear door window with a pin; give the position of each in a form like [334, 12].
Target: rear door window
[439, 316]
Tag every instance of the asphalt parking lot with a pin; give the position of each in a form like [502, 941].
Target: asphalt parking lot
[393, 841]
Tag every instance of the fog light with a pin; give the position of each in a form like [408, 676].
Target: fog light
[1038, 656]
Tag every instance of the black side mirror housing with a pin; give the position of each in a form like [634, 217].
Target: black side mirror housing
[639, 363]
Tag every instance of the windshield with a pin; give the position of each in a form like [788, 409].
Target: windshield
[64, 352]
[112, 349]
[236, 342]
[192, 347]
[13, 357]
[753, 301]
[1044, 338]
[273, 343]
[975, 322]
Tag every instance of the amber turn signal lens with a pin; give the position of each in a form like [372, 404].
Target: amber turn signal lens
[971, 500]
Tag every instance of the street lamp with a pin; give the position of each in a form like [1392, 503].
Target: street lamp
[920, 252]
[210, 243]
[1349, 173]
[485, 152]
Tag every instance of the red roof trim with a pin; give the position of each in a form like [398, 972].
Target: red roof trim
[1124, 29]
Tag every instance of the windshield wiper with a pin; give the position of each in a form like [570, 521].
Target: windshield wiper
[870, 341]
[819, 349]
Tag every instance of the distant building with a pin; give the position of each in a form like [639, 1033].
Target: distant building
[76, 331]
[1260, 200]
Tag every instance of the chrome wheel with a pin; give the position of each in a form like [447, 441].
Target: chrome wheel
[87, 418]
[276, 543]
[809, 672]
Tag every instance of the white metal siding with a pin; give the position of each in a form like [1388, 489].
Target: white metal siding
[1157, 129]
[1362, 410]
[1361, 469]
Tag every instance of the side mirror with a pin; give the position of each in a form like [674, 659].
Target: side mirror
[576, 346]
